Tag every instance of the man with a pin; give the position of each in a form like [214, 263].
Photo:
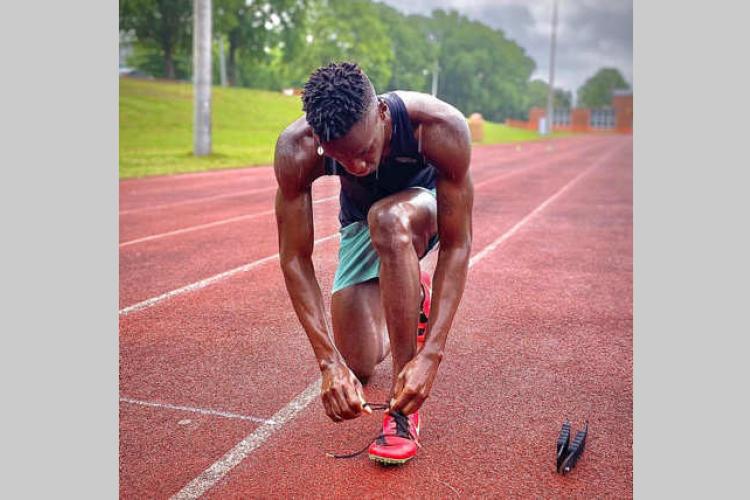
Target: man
[403, 163]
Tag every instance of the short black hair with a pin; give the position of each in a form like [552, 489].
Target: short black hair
[335, 98]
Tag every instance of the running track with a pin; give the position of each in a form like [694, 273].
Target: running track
[218, 384]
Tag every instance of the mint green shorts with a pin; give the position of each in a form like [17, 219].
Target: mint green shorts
[358, 260]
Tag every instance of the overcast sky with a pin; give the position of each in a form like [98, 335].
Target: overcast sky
[591, 34]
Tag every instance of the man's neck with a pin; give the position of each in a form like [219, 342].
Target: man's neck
[387, 136]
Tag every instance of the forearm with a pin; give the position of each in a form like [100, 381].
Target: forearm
[448, 287]
[307, 300]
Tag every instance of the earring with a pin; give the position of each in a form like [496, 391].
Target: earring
[320, 150]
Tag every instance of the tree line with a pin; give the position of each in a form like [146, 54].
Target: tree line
[276, 44]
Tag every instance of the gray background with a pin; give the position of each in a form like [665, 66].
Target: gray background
[59, 220]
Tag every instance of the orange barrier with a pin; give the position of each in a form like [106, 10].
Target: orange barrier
[476, 127]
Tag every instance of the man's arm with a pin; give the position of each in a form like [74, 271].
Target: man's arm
[448, 146]
[296, 240]
[341, 392]
[455, 200]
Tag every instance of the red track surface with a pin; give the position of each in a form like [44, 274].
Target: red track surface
[544, 332]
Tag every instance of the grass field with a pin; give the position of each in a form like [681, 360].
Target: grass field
[496, 133]
[156, 127]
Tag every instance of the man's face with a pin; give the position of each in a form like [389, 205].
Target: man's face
[360, 150]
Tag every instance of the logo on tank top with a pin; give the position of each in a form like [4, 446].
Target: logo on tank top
[406, 159]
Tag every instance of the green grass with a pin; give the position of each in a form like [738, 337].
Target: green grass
[156, 127]
[498, 133]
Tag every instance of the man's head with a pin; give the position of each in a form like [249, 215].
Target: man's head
[346, 116]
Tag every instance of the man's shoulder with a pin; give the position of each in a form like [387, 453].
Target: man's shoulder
[293, 138]
[428, 110]
[446, 141]
[295, 159]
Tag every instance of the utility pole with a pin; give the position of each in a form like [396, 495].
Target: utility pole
[202, 77]
[435, 71]
[222, 62]
[551, 90]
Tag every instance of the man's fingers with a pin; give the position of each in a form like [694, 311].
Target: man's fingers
[399, 401]
[398, 389]
[359, 394]
[332, 408]
[362, 401]
[355, 400]
[345, 411]
[412, 405]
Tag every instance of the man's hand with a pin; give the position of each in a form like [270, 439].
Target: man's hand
[342, 393]
[414, 383]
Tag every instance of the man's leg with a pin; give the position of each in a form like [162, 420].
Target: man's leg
[401, 227]
[359, 327]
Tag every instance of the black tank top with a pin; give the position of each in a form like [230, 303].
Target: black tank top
[404, 167]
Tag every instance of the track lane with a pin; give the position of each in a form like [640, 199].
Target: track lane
[154, 267]
[163, 217]
[543, 332]
[204, 345]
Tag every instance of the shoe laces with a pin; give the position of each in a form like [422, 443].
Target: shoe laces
[403, 430]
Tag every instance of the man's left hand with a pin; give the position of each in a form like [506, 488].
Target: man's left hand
[414, 383]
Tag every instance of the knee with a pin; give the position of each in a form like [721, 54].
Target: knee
[389, 229]
[363, 376]
[363, 372]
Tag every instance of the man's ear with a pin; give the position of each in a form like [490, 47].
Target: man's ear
[382, 108]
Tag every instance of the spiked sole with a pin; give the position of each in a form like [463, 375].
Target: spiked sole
[389, 461]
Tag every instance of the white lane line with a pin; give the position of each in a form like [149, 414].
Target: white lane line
[202, 411]
[543, 163]
[187, 176]
[495, 178]
[196, 200]
[510, 232]
[220, 222]
[208, 281]
[209, 477]
[239, 193]
[244, 448]
[211, 280]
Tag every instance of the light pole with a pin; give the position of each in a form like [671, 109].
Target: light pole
[435, 70]
[202, 77]
[551, 90]
[222, 62]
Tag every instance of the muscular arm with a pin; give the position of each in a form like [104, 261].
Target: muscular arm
[294, 217]
[448, 146]
[296, 168]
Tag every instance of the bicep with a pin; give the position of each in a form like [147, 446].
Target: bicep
[294, 219]
[450, 151]
[294, 214]
[455, 200]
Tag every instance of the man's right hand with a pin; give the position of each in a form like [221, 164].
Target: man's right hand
[342, 393]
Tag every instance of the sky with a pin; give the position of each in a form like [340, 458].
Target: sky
[591, 34]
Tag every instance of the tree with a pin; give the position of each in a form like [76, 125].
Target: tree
[413, 54]
[343, 30]
[254, 29]
[165, 25]
[536, 95]
[597, 90]
[480, 69]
